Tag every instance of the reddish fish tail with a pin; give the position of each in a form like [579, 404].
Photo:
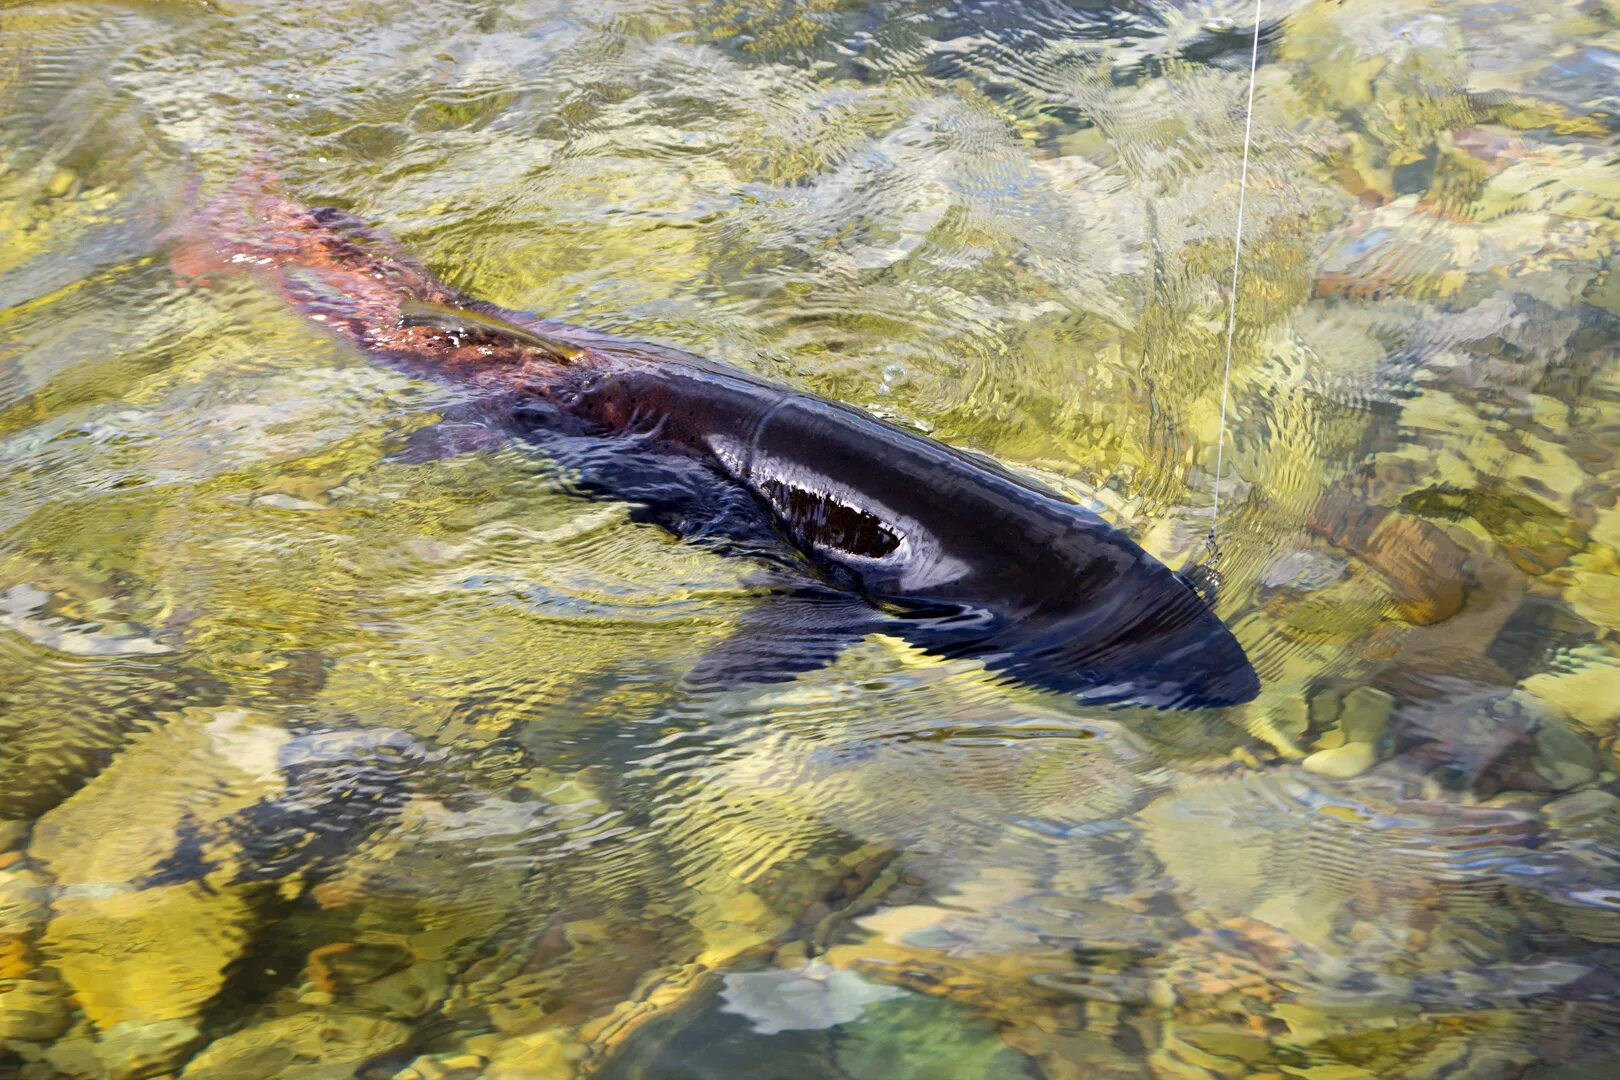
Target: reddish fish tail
[359, 283]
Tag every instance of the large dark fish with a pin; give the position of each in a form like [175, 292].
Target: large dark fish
[868, 527]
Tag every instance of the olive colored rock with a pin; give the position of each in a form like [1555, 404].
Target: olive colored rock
[135, 933]
[1365, 715]
[1587, 690]
[341, 967]
[405, 994]
[12, 834]
[452, 1066]
[1563, 757]
[1581, 806]
[1325, 706]
[1342, 762]
[196, 770]
[550, 1054]
[303, 1046]
[32, 1010]
[22, 901]
[132, 1051]
[147, 955]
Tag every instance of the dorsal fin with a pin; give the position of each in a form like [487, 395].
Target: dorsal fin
[461, 320]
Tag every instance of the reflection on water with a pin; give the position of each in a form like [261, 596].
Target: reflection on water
[320, 758]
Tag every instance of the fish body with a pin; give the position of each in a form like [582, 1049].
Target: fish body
[871, 527]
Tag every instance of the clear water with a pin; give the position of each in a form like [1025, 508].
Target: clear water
[318, 762]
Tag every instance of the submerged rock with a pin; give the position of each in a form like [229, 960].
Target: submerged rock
[139, 943]
[130, 1051]
[1581, 806]
[1365, 715]
[306, 1045]
[32, 1010]
[147, 955]
[1426, 569]
[1342, 762]
[1564, 759]
[1584, 690]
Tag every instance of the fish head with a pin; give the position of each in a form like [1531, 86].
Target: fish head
[1159, 646]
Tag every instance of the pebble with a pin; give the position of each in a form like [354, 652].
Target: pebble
[1324, 709]
[22, 902]
[131, 1049]
[32, 1011]
[13, 833]
[1579, 807]
[61, 183]
[1342, 762]
[1365, 715]
[444, 1067]
[1291, 717]
[1563, 758]
[279, 501]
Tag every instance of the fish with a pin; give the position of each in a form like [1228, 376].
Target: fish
[858, 525]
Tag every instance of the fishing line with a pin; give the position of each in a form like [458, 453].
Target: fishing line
[1237, 255]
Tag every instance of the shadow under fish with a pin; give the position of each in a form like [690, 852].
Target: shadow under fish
[864, 526]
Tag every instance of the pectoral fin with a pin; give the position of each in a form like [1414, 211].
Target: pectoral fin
[465, 321]
[472, 427]
[789, 633]
[443, 441]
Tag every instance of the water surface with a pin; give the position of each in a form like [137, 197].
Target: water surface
[319, 761]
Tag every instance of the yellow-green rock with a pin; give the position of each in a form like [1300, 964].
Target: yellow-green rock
[305, 1045]
[1342, 762]
[1578, 807]
[136, 1049]
[146, 955]
[32, 1010]
[1587, 691]
[133, 951]
[1365, 715]
[550, 1054]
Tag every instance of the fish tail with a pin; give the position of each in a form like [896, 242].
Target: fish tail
[358, 282]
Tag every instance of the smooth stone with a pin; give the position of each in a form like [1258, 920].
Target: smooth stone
[341, 967]
[1365, 715]
[813, 998]
[1342, 762]
[1325, 707]
[444, 1067]
[62, 182]
[295, 1045]
[75, 1056]
[22, 902]
[405, 994]
[1291, 717]
[1563, 757]
[129, 1051]
[13, 834]
[32, 1010]
[148, 956]
[277, 500]
[1586, 693]
[1579, 807]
